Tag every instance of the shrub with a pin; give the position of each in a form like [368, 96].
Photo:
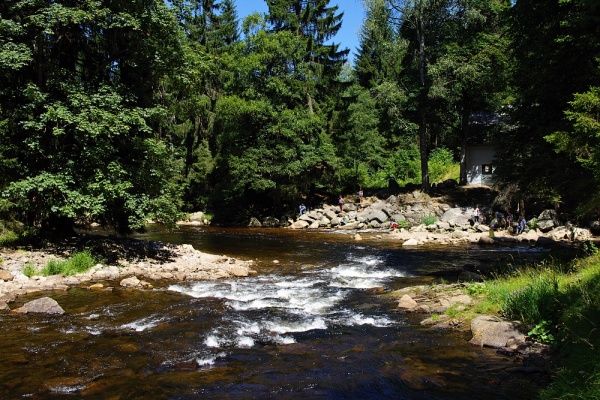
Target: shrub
[442, 165]
[52, 267]
[404, 165]
[7, 238]
[79, 262]
[29, 269]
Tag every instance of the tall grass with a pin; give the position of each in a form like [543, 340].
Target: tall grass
[78, 263]
[561, 305]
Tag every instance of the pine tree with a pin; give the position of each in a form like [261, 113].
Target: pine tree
[375, 62]
[316, 23]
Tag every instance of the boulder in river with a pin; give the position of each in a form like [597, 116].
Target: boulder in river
[44, 305]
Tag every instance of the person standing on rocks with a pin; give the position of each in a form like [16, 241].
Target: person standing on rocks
[522, 224]
[508, 220]
[302, 209]
[476, 214]
[360, 195]
[341, 203]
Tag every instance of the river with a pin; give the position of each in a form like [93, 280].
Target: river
[304, 327]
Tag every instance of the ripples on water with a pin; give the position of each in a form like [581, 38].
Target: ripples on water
[304, 328]
[312, 299]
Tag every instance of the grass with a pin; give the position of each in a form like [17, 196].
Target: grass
[78, 263]
[29, 269]
[559, 303]
[429, 220]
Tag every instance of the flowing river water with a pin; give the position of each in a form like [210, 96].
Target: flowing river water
[304, 327]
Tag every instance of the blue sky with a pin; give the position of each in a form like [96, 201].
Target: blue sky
[351, 23]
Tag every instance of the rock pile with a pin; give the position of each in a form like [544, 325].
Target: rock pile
[417, 219]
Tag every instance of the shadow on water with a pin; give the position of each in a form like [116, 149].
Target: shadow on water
[305, 327]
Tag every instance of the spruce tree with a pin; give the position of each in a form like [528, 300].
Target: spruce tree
[316, 23]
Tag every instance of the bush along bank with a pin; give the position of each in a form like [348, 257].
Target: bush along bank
[546, 315]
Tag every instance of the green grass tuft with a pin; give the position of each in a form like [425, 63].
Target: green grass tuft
[29, 269]
[78, 263]
[429, 220]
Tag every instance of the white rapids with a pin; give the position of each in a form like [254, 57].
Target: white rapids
[272, 308]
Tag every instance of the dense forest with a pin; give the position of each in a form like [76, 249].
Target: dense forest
[119, 112]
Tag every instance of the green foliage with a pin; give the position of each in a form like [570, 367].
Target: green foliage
[477, 289]
[29, 269]
[429, 220]
[52, 267]
[82, 132]
[589, 248]
[582, 141]
[403, 224]
[542, 333]
[77, 263]
[534, 303]
[442, 165]
[404, 165]
[542, 34]
[7, 238]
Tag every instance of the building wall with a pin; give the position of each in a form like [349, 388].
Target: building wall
[480, 158]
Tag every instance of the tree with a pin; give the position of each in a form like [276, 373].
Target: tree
[583, 140]
[422, 24]
[315, 23]
[555, 47]
[192, 89]
[379, 49]
[80, 114]
[471, 72]
[271, 147]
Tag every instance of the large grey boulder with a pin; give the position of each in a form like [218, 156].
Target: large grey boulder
[44, 305]
[330, 214]
[299, 225]
[377, 215]
[324, 221]
[307, 218]
[493, 332]
[407, 303]
[545, 225]
[458, 216]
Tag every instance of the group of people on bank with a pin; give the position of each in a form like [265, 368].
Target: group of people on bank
[502, 220]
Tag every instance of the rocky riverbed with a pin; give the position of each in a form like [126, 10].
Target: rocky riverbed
[129, 263]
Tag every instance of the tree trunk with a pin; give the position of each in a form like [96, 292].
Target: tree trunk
[424, 151]
[463, 145]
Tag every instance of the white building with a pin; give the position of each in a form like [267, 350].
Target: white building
[480, 169]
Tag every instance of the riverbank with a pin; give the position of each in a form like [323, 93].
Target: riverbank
[549, 319]
[125, 262]
[417, 219]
